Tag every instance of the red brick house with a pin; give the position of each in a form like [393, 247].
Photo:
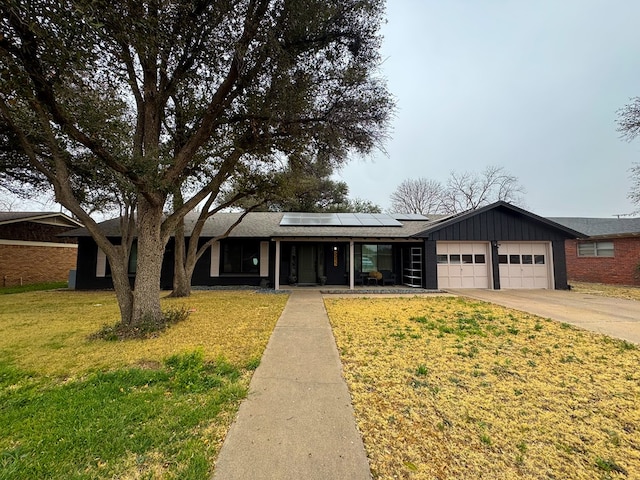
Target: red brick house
[610, 253]
[31, 250]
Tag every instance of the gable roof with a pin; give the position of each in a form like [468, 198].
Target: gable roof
[50, 218]
[501, 206]
[602, 227]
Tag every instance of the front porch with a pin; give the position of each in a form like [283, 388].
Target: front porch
[347, 264]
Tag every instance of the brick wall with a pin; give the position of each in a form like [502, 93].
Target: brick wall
[619, 269]
[25, 264]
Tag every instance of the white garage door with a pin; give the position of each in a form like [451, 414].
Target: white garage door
[524, 265]
[463, 265]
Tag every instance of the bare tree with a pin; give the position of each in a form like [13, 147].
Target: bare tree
[464, 191]
[634, 193]
[417, 195]
[472, 190]
[629, 128]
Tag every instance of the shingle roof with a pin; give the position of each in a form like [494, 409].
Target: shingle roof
[602, 227]
[267, 225]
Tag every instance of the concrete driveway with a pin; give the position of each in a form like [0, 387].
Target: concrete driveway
[612, 316]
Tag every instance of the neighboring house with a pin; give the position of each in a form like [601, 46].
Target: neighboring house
[498, 246]
[31, 250]
[610, 254]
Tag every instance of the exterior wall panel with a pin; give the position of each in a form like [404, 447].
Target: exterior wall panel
[621, 269]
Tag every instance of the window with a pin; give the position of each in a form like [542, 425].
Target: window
[514, 259]
[374, 257]
[133, 258]
[132, 266]
[538, 259]
[595, 249]
[457, 259]
[527, 259]
[241, 257]
[502, 259]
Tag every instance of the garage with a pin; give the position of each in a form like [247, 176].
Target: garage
[524, 265]
[463, 264]
[498, 246]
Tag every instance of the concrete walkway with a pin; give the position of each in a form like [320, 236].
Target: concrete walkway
[297, 422]
[616, 317]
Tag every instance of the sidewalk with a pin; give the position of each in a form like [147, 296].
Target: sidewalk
[297, 421]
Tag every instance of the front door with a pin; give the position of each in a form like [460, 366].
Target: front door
[335, 260]
[307, 265]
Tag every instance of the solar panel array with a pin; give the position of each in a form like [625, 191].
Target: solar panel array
[410, 217]
[339, 220]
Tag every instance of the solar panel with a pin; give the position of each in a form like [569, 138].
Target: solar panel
[339, 219]
[408, 217]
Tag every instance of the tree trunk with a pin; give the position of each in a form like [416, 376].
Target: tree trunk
[124, 294]
[146, 293]
[181, 278]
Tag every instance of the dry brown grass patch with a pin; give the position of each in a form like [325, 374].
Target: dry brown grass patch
[47, 332]
[616, 291]
[447, 388]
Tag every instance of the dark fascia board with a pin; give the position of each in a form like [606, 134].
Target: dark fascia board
[38, 216]
[500, 205]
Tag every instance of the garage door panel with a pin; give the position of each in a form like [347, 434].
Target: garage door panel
[524, 265]
[463, 265]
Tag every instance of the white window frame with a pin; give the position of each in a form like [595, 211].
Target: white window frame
[596, 249]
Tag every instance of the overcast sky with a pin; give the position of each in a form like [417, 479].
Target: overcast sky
[532, 86]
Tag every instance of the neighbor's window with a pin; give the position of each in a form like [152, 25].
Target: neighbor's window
[240, 257]
[595, 249]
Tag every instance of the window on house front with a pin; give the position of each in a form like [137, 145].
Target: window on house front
[133, 258]
[595, 249]
[240, 257]
[370, 257]
[132, 266]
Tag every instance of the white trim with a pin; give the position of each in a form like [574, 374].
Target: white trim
[45, 218]
[264, 259]
[214, 268]
[552, 265]
[347, 239]
[101, 264]
[24, 243]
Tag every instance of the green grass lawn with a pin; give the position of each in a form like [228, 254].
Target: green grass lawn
[33, 287]
[73, 408]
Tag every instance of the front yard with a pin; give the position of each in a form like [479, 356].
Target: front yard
[73, 408]
[443, 388]
[447, 388]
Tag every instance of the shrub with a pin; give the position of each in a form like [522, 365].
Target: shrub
[149, 326]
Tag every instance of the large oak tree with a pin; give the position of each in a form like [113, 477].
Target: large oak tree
[136, 100]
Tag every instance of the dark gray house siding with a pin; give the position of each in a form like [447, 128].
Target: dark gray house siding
[490, 225]
[499, 222]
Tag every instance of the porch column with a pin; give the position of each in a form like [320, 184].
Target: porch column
[351, 269]
[276, 282]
